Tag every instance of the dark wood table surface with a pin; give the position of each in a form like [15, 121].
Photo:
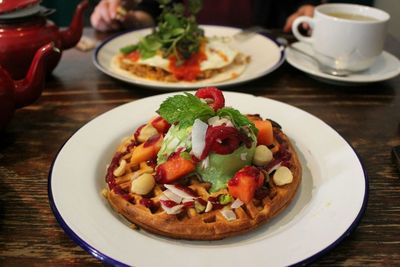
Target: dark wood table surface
[368, 117]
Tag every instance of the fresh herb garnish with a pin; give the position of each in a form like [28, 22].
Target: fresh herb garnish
[237, 118]
[177, 32]
[184, 109]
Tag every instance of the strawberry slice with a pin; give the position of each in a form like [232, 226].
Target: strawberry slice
[213, 97]
[245, 183]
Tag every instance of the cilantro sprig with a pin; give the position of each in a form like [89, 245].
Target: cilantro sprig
[184, 109]
[177, 32]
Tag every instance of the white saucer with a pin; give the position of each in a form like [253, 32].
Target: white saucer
[386, 67]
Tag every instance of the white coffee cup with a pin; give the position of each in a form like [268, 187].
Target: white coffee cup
[345, 36]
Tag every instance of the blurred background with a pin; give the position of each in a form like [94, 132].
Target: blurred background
[65, 10]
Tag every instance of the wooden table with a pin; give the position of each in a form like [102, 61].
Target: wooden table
[367, 116]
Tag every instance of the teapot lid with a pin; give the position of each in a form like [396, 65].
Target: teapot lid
[7, 6]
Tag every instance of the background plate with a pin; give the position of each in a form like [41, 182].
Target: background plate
[385, 67]
[266, 55]
[328, 205]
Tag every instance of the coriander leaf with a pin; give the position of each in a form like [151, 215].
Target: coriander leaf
[237, 118]
[164, 2]
[177, 31]
[128, 49]
[184, 109]
[179, 8]
[152, 43]
[195, 6]
[171, 20]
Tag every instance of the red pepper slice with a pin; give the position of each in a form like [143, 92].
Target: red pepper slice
[213, 96]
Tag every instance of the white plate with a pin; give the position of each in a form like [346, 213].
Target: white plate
[266, 56]
[385, 67]
[328, 206]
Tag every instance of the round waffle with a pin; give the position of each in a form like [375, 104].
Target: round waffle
[146, 212]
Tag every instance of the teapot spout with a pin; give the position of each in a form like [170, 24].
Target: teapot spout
[29, 89]
[71, 36]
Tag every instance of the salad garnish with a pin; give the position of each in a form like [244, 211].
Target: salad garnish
[177, 32]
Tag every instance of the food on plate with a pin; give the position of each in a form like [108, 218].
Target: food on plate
[178, 51]
[202, 170]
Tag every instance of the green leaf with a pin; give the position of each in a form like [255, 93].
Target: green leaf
[186, 155]
[195, 6]
[177, 31]
[128, 49]
[152, 43]
[179, 8]
[145, 54]
[171, 20]
[237, 118]
[164, 2]
[199, 207]
[184, 109]
[225, 199]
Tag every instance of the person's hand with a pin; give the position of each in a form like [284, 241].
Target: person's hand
[109, 15]
[306, 10]
[104, 15]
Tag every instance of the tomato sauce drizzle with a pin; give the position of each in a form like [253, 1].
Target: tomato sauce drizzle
[134, 56]
[189, 69]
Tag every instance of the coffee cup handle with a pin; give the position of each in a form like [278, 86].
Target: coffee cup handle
[295, 28]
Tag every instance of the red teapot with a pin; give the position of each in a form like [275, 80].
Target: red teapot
[24, 28]
[17, 94]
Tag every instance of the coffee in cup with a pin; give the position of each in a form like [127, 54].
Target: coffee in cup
[345, 36]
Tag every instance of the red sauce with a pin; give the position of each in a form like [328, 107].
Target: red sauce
[160, 124]
[189, 204]
[261, 193]
[134, 56]
[152, 140]
[110, 178]
[202, 201]
[168, 203]
[215, 203]
[160, 175]
[186, 189]
[137, 132]
[234, 181]
[248, 171]
[189, 70]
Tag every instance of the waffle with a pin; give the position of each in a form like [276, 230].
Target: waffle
[190, 224]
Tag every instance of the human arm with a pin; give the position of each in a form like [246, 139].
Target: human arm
[304, 10]
[111, 15]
